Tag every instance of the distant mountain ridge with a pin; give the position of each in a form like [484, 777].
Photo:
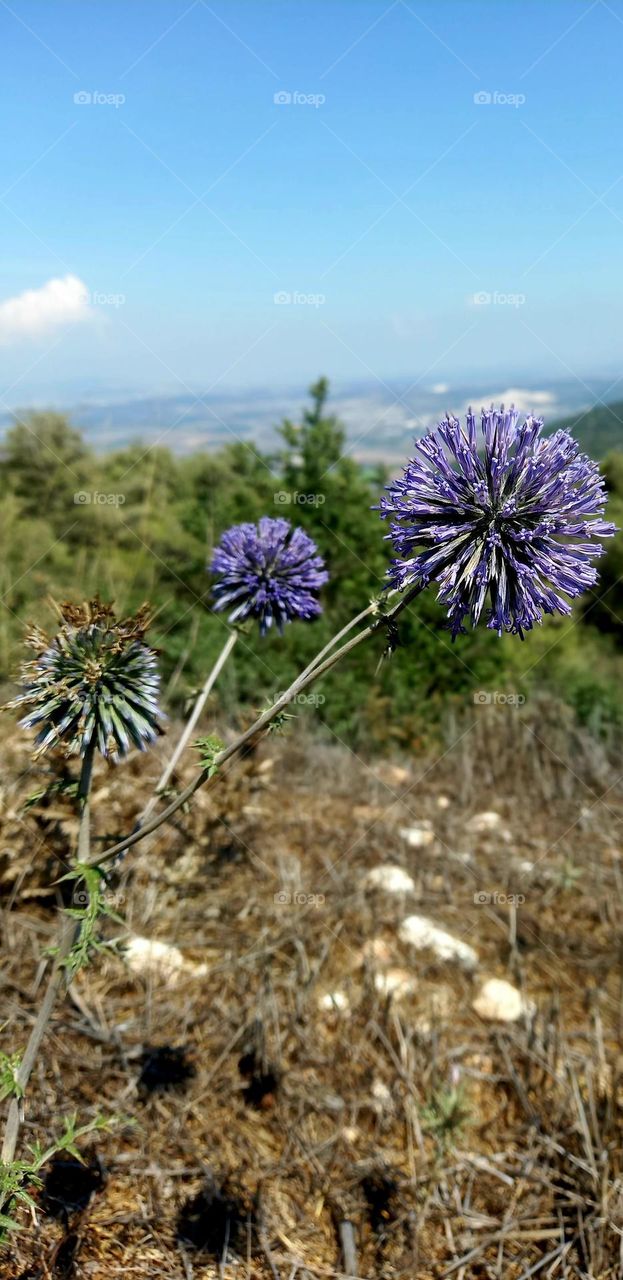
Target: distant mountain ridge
[381, 418]
[598, 430]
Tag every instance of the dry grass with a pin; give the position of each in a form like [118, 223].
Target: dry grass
[455, 1147]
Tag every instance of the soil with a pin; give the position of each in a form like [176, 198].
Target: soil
[269, 1091]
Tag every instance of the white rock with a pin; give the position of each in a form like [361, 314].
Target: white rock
[383, 1100]
[422, 933]
[440, 1005]
[351, 1135]
[392, 774]
[499, 1001]
[418, 836]
[334, 1002]
[151, 958]
[480, 823]
[391, 879]
[443, 802]
[398, 983]
[376, 951]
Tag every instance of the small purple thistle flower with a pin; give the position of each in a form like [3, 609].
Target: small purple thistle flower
[498, 517]
[269, 571]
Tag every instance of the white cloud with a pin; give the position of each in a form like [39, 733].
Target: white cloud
[39, 311]
[527, 399]
[440, 388]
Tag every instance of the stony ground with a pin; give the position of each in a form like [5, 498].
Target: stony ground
[315, 1059]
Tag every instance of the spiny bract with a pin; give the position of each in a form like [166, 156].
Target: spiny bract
[92, 685]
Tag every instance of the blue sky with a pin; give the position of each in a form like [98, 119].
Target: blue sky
[382, 200]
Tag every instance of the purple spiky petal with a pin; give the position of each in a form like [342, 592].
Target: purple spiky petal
[503, 517]
[269, 571]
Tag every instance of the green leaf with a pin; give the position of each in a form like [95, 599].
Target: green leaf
[280, 722]
[9, 1067]
[57, 787]
[209, 748]
[20, 1174]
[7, 1224]
[96, 908]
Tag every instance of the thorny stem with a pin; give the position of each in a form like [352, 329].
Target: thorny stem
[190, 727]
[207, 689]
[261, 724]
[372, 608]
[65, 943]
[323, 662]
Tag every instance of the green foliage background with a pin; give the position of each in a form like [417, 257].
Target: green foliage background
[156, 545]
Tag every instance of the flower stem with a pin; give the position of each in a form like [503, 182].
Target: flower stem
[365, 613]
[372, 608]
[311, 673]
[327, 658]
[187, 733]
[65, 943]
[84, 803]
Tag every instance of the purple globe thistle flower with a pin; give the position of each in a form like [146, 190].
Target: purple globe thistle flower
[93, 685]
[497, 517]
[269, 571]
